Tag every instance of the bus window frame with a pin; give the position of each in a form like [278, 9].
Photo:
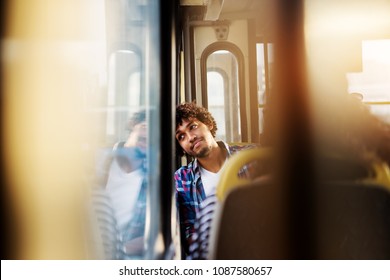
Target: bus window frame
[267, 92]
[232, 48]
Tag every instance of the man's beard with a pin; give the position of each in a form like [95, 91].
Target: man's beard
[203, 152]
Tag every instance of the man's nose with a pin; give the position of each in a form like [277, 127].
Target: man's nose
[192, 137]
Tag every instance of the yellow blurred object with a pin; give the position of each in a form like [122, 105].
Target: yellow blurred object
[48, 62]
[229, 176]
[381, 175]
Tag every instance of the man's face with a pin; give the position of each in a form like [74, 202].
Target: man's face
[195, 137]
[138, 138]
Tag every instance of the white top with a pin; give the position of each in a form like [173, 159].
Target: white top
[210, 179]
[123, 189]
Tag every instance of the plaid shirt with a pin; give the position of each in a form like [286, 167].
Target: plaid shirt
[190, 193]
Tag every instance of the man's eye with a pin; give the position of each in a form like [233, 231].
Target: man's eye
[193, 126]
[181, 137]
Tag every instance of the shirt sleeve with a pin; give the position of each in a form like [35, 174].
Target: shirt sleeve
[185, 207]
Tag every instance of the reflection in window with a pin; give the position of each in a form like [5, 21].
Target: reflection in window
[123, 90]
[223, 94]
[126, 192]
[120, 199]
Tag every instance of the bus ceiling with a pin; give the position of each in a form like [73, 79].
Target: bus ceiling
[337, 26]
[213, 10]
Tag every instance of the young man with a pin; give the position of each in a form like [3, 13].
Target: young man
[195, 137]
[121, 196]
[126, 186]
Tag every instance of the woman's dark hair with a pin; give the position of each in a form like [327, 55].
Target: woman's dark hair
[189, 111]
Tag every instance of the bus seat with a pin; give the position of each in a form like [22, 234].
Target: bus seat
[352, 220]
[229, 178]
[382, 174]
[247, 225]
[241, 144]
[338, 168]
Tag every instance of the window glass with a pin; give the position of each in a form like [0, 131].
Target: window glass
[223, 98]
[216, 101]
[90, 103]
[125, 197]
[357, 52]
[373, 83]
[123, 94]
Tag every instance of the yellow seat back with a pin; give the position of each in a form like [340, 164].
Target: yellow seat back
[229, 175]
[381, 174]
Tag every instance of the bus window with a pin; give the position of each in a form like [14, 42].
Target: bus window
[216, 85]
[223, 100]
[83, 79]
[223, 97]
[131, 131]
[374, 81]
[124, 91]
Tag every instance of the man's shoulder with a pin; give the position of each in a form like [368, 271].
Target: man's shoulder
[183, 170]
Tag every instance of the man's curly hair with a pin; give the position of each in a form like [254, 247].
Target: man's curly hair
[189, 111]
[136, 118]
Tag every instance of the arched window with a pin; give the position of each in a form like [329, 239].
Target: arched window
[216, 101]
[223, 90]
